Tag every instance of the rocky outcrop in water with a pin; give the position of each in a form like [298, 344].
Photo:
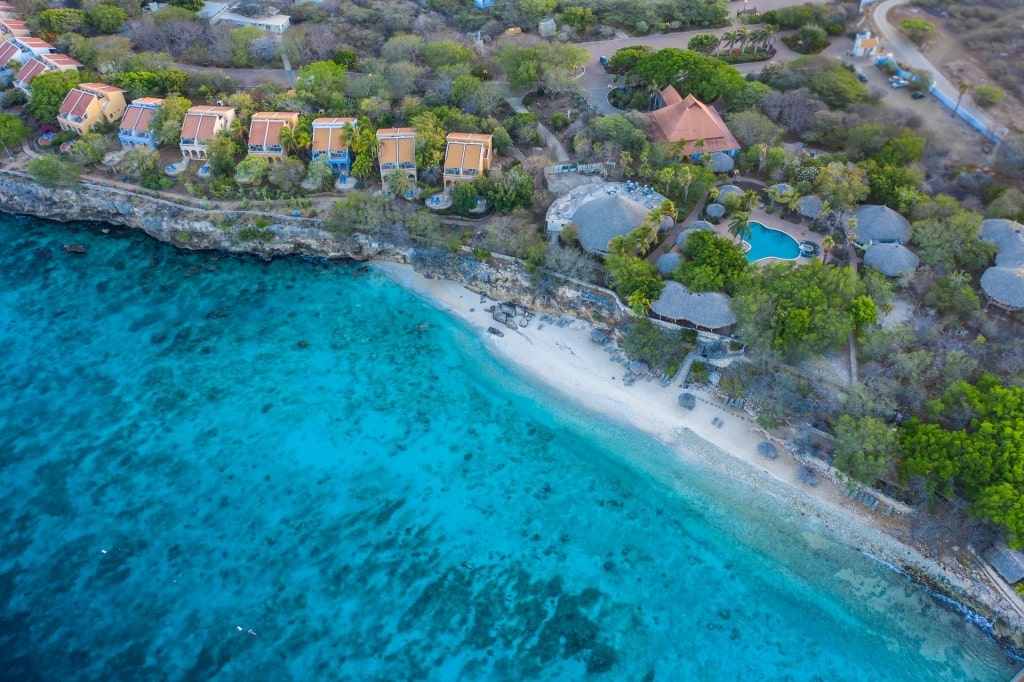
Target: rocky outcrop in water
[263, 234]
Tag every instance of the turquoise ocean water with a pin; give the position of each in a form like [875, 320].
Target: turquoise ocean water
[193, 447]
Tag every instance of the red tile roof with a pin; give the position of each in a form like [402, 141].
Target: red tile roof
[691, 120]
[137, 118]
[32, 69]
[76, 103]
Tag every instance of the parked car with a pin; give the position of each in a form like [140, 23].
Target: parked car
[917, 94]
[862, 78]
[900, 83]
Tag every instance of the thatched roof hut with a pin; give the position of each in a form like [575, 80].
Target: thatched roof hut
[695, 226]
[811, 206]
[1004, 286]
[881, 225]
[1008, 562]
[668, 262]
[780, 187]
[891, 259]
[707, 310]
[721, 162]
[701, 225]
[725, 190]
[715, 210]
[1006, 235]
[600, 220]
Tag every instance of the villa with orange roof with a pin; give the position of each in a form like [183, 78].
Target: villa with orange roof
[22, 50]
[14, 28]
[201, 125]
[135, 125]
[688, 120]
[330, 141]
[265, 133]
[89, 104]
[467, 156]
[42, 64]
[397, 152]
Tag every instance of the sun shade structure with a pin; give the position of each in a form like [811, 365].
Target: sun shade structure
[725, 190]
[600, 220]
[715, 210]
[721, 162]
[684, 236]
[708, 310]
[891, 259]
[881, 225]
[810, 206]
[1003, 284]
[766, 449]
[1008, 562]
[668, 262]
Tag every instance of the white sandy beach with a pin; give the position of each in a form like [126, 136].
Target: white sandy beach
[565, 358]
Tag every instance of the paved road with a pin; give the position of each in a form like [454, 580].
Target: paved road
[906, 52]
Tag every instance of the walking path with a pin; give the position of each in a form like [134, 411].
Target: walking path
[549, 138]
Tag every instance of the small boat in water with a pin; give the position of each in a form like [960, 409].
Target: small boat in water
[495, 331]
[75, 248]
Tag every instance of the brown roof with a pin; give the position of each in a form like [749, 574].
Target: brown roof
[33, 68]
[265, 133]
[14, 25]
[76, 103]
[60, 60]
[465, 150]
[8, 51]
[397, 145]
[100, 88]
[479, 138]
[328, 132]
[137, 117]
[201, 122]
[690, 119]
[151, 101]
[35, 44]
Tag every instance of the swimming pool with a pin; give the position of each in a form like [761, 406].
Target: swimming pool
[768, 243]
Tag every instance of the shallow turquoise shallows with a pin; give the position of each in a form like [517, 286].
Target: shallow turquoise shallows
[221, 469]
[769, 243]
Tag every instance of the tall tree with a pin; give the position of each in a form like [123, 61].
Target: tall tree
[12, 132]
[166, 124]
[48, 92]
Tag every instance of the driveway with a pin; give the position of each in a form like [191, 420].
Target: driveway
[906, 52]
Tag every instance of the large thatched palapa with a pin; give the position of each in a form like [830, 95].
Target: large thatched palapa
[695, 226]
[891, 259]
[881, 225]
[725, 190]
[811, 206]
[1004, 283]
[600, 220]
[707, 310]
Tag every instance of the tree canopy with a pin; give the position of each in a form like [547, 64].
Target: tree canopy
[321, 85]
[706, 78]
[797, 310]
[711, 263]
[973, 443]
[48, 92]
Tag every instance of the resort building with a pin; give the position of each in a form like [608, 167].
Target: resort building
[7, 11]
[880, 225]
[697, 125]
[865, 45]
[224, 12]
[467, 156]
[201, 125]
[708, 311]
[1003, 283]
[265, 133]
[397, 153]
[89, 104]
[14, 28]
[22, 50]
[330, 141]
[42, 64]
[602, 212]
[135, 126]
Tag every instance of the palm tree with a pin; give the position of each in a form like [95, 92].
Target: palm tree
[728, 39]
[239, 132]
[287, 138]
[791, 199]
[769, 34]
[962, 89]
[827, 243]
[773, 195]
[739, 227]
[625, 160]
[665, 176]
[678, 149]
[742, 37]
[684, 176]
[639, 303]
[667, 208]
[757, 38]
[762, 156]
[749, 200]
[400, 183]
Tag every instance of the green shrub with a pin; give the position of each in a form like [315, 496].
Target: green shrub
[988, 95]
[559, 121]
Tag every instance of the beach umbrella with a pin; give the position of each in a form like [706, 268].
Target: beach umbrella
[687, 400]
[780, 187]
[701, 225]
[766, 449]
[721, 162]
[715, 210]
[668, 262]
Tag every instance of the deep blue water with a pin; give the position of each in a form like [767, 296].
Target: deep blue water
[768, 243]
[194, 446]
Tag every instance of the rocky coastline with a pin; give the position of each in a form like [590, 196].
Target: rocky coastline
[499, 278]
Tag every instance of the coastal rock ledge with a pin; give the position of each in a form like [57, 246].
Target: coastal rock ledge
[186, 226]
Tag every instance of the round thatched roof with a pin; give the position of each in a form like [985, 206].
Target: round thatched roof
[726, 190]
[766, 449]
[602, 219]
[811, 206]
[668, 262]
[1006, 235]
[891, 259]
[701, 225]
[721, 162]
[881, 225]
[715, 210]
[1004, 286]
[708, 309]
[780, 187]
